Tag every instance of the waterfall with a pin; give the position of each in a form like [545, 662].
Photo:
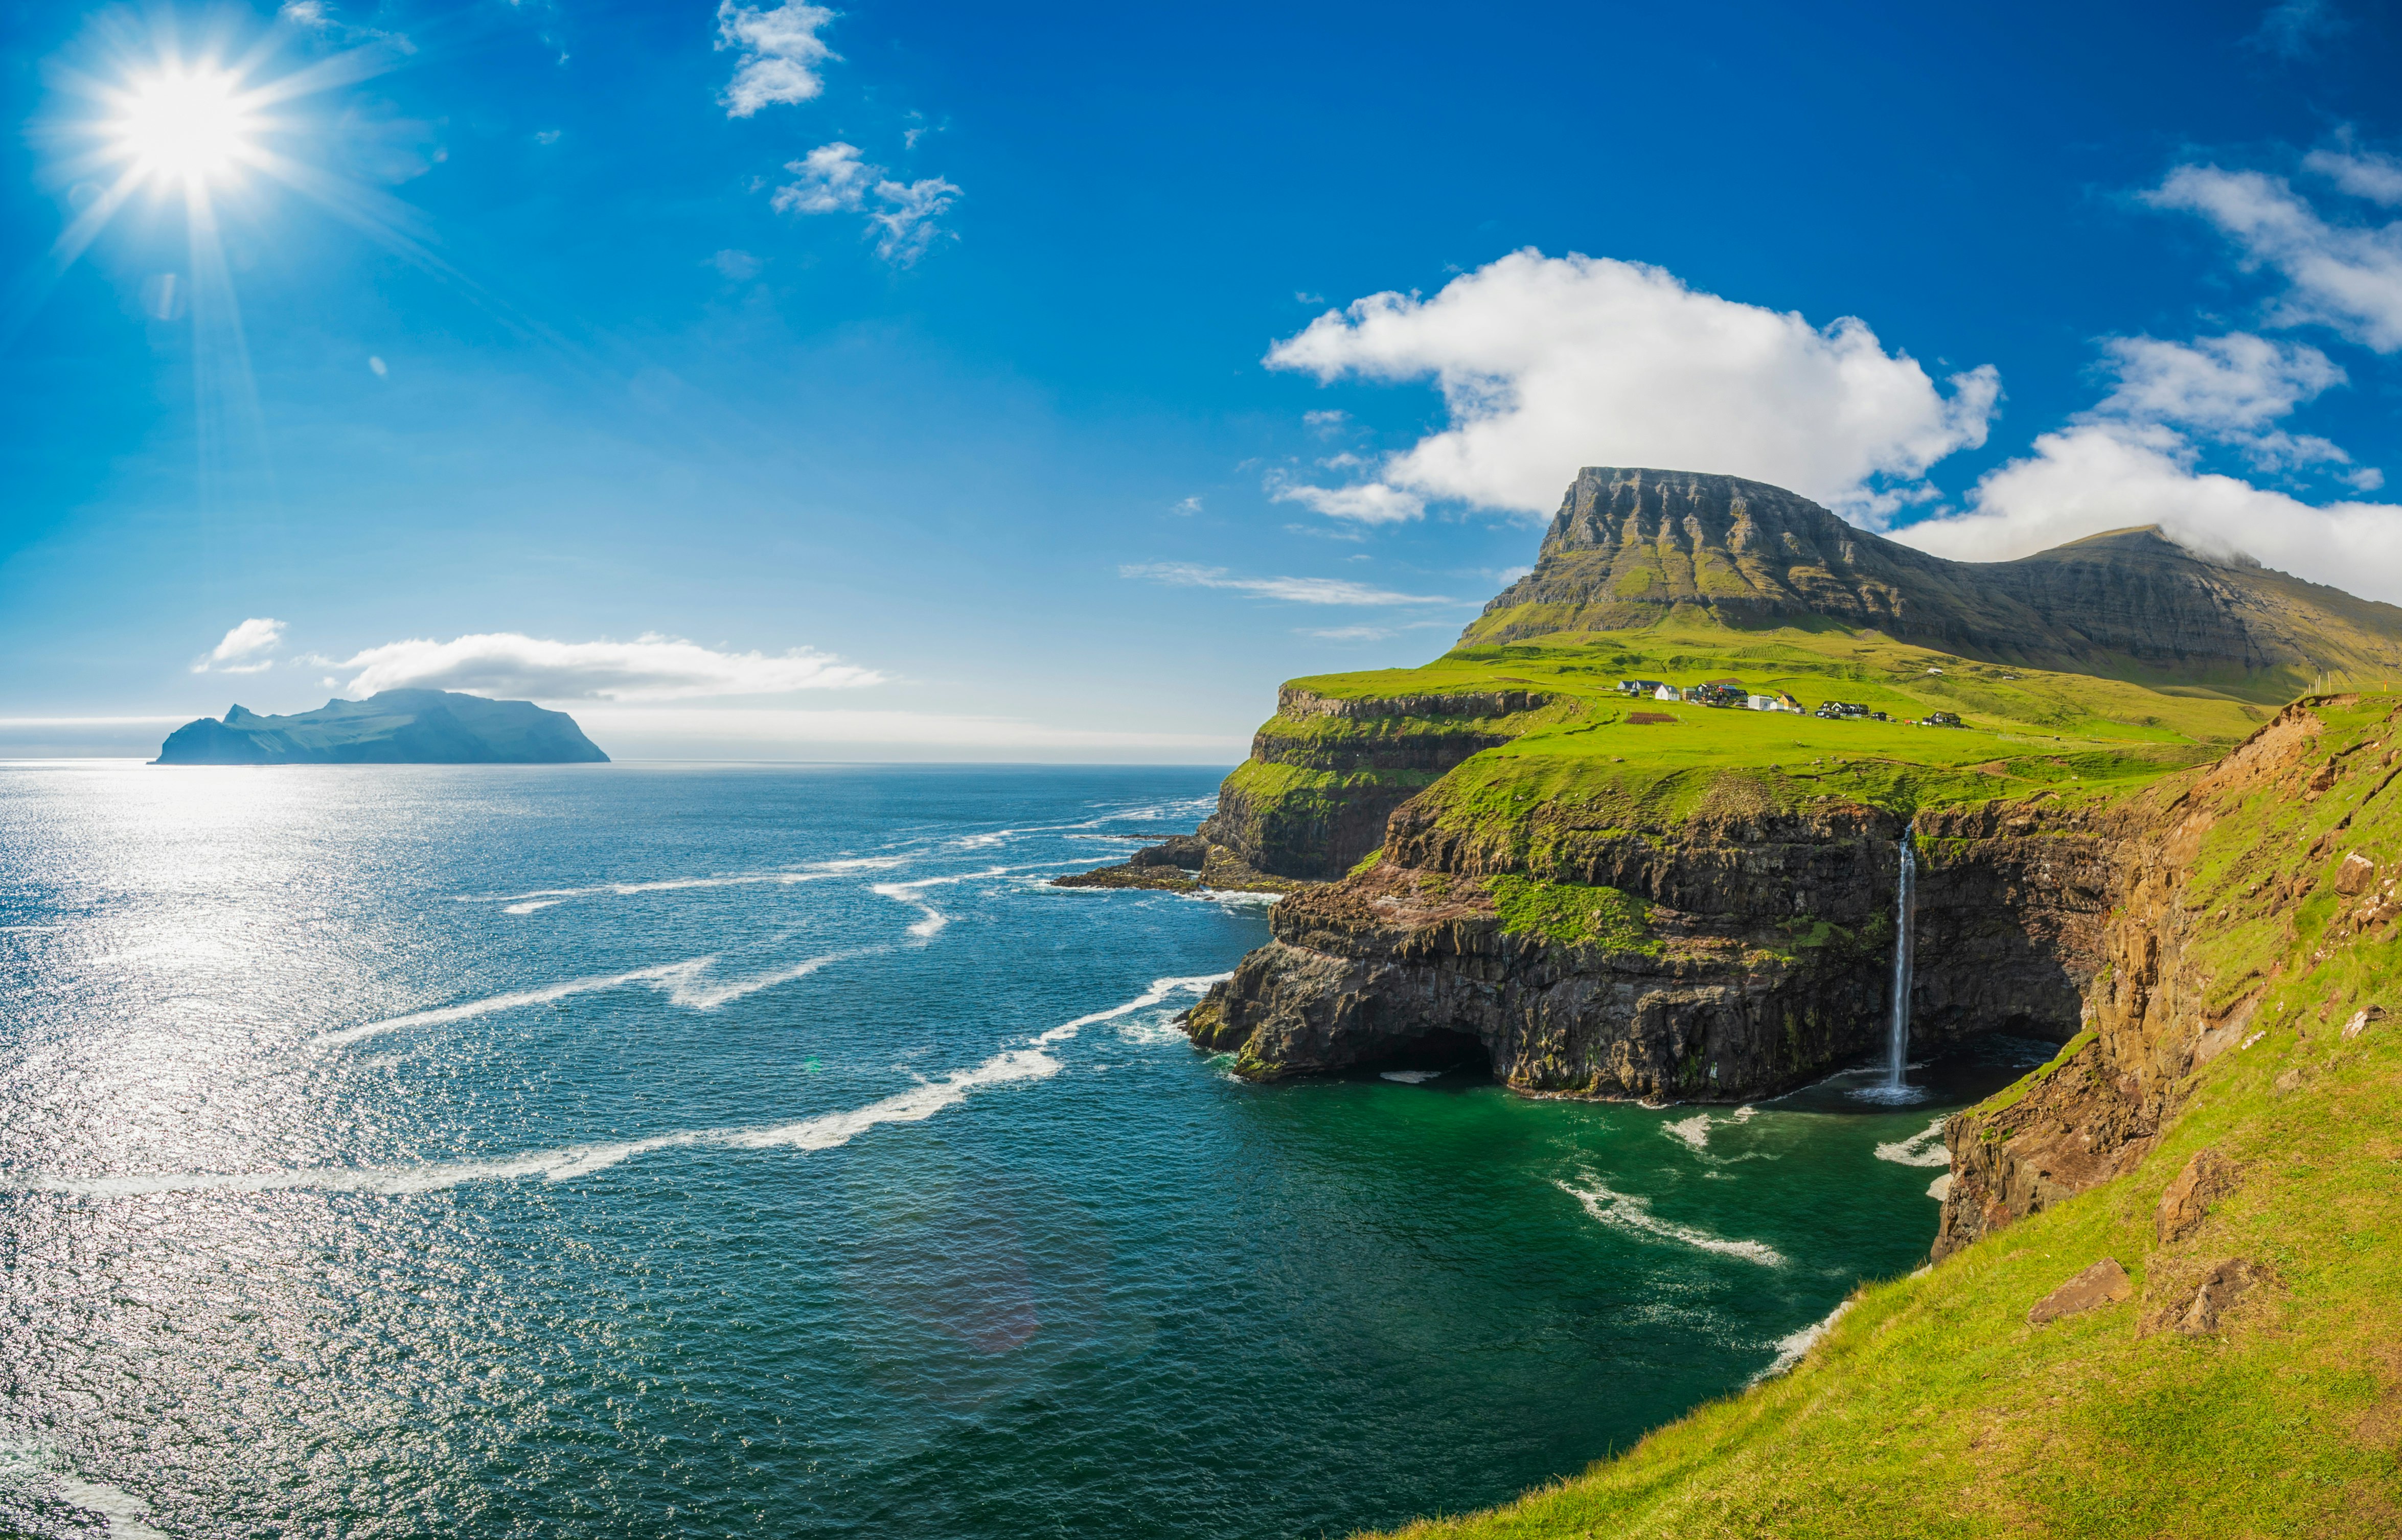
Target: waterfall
[1905, 905]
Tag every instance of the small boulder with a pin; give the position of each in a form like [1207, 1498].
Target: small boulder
[2360, 1019]
[2196, 1311]
[2205, 1179]
[2354, 876]
[2104, 1283]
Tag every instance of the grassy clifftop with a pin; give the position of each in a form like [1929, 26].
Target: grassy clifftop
[1932, 1405]
[1584, 749]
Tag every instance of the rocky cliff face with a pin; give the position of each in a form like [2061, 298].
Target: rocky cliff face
[1763, 958]
[2212, 884]
[1630, 545]
[1326, 772]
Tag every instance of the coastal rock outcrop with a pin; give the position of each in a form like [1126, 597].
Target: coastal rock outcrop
[1761, 959]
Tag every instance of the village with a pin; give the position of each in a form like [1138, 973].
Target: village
[1730, 695]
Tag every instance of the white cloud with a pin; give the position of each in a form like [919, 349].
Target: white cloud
[1296, 590]
[650, 667]
[1368, 502]
[779, 54]
[907, 217]
[832, 177]
[1325, 424]
[1371, 633]
[2229, 389]
[246, 649]
[2346, 276]
[835, 177]
[2363, 174]
[1549, 364]
[1190, 505]
[547, 136]
[739, 266]
[2109, 475]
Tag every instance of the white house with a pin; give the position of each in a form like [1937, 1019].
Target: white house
[1667, 691]
[1763, 703]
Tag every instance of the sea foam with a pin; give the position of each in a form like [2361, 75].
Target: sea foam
[825, 1131]
[1159, 991]
[686, 984]
[1621, 1211]
[1924, 1147]
[1789, 1350]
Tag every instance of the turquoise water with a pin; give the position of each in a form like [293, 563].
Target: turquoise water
[618, 1150]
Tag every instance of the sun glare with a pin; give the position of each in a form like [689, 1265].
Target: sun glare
[186, 125]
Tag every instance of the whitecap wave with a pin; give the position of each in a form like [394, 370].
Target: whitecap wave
[1160, 990]
[826, 1130]
[1621, 1211]
[1925, 1147]
[686, 984]
[1693, 1132]
[1789, 1350]
[1409, 1076]
[544, 898]
[1941, 1188]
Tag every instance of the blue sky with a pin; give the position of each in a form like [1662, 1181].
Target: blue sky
[902, 380]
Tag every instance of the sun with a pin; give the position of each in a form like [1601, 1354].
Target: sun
[185, 125]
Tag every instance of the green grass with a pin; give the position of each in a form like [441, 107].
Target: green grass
[1573, 914]
[1932, 1408]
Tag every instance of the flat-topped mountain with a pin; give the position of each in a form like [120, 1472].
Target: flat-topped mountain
[1631, 547]
[391, 728]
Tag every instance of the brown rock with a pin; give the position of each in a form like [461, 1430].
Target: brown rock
[2354, 876]
[2104, 1283]
[2206, 1179]
[2360, 1019]
[2197, 1311]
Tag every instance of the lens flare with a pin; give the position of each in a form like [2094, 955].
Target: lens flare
[186, 125]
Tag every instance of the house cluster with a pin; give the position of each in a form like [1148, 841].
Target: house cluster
[1729, 693]
[1724, 693]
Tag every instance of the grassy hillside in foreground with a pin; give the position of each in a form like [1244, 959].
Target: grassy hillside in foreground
[1932, 1407]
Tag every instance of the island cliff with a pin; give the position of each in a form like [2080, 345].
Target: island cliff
[391, 728]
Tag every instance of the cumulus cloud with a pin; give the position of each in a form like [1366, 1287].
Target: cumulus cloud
[1547, 365]
[2226, 389]
[2348, 277]
[830, 177]
[780, 52]
[834, 178]
[650, 667]
[2098, 477]
[1295, 590]
[246, 648]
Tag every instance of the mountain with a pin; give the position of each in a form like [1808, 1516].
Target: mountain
[391, 727]
[1632, 548]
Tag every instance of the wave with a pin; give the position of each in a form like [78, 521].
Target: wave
[1158, 992]
[684, 983]
[1633, 1215]
[1925, 1147]
[1789, 1350]
[542, 898]
[826, 1130]
[1409, 1076]
[1694, 1131]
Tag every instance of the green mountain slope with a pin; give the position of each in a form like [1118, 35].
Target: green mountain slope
[1631, 547]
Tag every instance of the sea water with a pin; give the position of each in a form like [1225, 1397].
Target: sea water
[625, 1150]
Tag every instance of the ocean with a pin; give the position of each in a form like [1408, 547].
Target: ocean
[625, 1150]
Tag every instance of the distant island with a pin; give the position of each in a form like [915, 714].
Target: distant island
[391, 727]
